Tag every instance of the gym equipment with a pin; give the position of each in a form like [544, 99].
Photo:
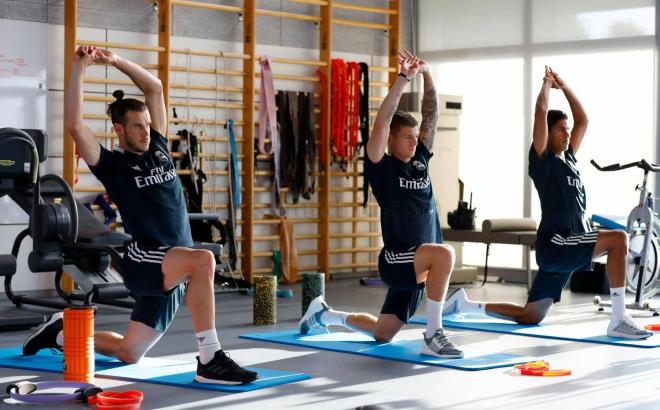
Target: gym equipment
[313, 285]
[587, 331]
[148, 370]
[264, 308]
[398, 350]
[18, 149]
[125, 400]
[79, 344]
[540, 368]
[643, 228]
[509, 231]
[66, 236]
[22, 391]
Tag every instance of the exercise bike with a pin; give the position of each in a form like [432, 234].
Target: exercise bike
[643, 228]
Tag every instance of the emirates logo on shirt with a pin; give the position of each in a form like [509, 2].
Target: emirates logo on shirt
[157, 175]
[414, 184]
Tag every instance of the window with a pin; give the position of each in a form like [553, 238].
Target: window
[451, 24]
[491, 142]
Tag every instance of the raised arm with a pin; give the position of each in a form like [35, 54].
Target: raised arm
[86, 142]
[429, 104]
[381, 130]
[151, 86]
[580, 120]
[540, 132]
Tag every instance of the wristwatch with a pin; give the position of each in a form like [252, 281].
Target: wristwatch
[404, 76]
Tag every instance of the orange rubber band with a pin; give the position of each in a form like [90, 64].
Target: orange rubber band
[545, 373]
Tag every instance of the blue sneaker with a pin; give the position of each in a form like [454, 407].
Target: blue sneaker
[312, 318]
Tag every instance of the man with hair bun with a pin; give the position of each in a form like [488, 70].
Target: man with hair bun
[160, 268]
[413, 256]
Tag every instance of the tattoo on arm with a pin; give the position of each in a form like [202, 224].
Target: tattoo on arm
[390, 113]
[429, 118]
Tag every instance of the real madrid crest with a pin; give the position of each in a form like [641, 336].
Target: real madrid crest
[419, 165]
[162, 158]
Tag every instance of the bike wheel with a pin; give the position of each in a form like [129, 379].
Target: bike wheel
[635, 244]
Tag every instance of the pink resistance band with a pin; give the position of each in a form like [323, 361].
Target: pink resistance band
[268, 126]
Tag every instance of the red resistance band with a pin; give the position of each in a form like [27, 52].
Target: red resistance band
[115, 400]
[339, 110]
[345, 109]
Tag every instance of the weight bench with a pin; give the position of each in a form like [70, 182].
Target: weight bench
[510, 231]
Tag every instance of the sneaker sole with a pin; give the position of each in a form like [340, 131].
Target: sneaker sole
[36, 334]
[429, 352]
[200, 379]
[626, 336]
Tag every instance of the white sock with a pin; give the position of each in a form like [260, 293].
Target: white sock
[618, 298]
[59, 339]
[433, 316]
[467, 306]
[207, 344]
[334, 317]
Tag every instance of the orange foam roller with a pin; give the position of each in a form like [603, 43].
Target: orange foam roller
[79, 344]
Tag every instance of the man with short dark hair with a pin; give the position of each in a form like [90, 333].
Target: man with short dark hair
[565, 241]
[160, 268]
[413, 256]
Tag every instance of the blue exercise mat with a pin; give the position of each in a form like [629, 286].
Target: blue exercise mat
[588, 331]
[399, 350]
[149, 370]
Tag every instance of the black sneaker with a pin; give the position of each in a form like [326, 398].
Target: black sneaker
[223, 370]
[46, 336]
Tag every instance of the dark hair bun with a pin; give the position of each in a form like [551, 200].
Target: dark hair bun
[118, 94]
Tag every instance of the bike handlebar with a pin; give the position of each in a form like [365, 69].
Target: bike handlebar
[648, 167]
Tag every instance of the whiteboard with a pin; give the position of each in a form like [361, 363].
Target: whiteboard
[23, 69]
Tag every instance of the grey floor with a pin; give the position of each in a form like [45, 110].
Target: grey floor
[604, 377]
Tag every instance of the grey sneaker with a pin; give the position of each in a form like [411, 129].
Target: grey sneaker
[312, 318]
[627, 328]
[439, 345]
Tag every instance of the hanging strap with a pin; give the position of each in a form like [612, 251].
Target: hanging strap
[234, 163]
[353, 107]
[268, 124]
[364, 124]
[324, 112]
[267, 107]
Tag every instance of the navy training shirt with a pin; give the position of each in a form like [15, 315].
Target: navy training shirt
[561, 192]
[147, 192]
[408, 214]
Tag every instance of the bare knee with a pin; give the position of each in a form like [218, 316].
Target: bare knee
[620, 240]
[204, 263]
[383, 337]
[531, 316]
[129, 355]
[442, 254]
